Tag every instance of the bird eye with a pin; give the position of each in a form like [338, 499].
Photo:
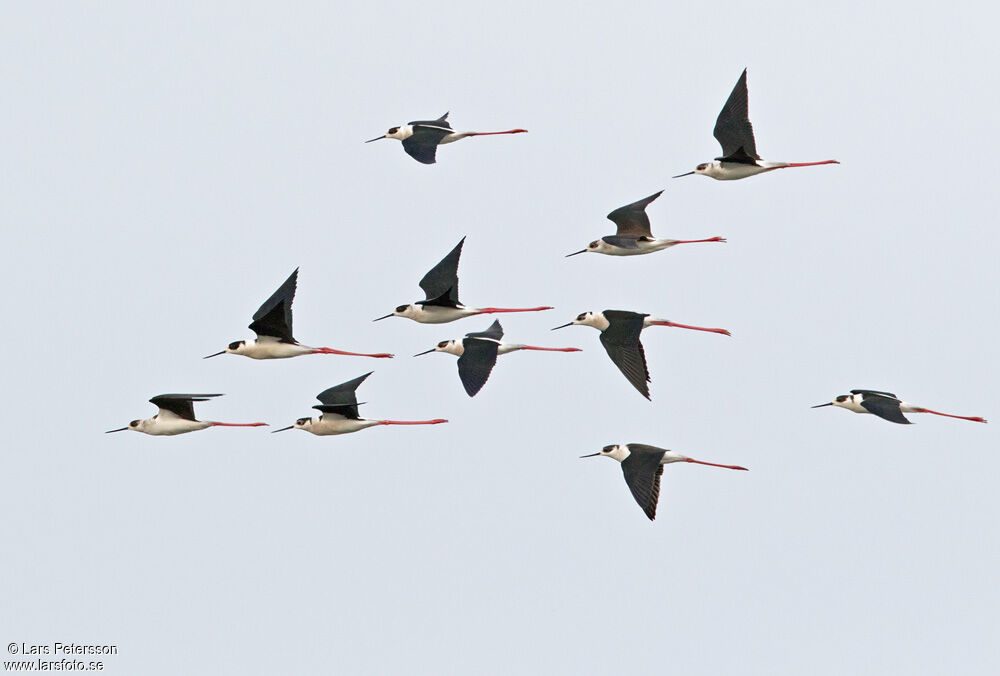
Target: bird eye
[402, 308]
[393, 130]
[134, 423]
[235, 344]
[581, 317]
[443, 343]
[608, 449]
[842, 398]
[592, 245]
[302, 421]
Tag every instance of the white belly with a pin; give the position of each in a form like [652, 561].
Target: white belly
[168, 427]
[732, 171]
[273, 350]
[434, 314]
[327, 427]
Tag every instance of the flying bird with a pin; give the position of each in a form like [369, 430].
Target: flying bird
[422, 138]
[734, 133]
[477, 354]
[643, 467]
[176, 416]
[634, 236]
[273, 325]
[620, 331]
[886, 406]
[441, 304]
[338, 409]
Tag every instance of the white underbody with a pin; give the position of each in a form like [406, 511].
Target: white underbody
[436, 314]
[645, 247]
[732, 171]
[267, 347]
[331, 423]
[166, 424]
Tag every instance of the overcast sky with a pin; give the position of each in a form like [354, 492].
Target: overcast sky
[165, 169]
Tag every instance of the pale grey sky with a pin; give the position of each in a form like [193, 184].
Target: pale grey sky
[165, 168]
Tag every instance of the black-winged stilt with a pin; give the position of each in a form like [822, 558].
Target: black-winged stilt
[478, 352]
[634, 236]
[734, 133]
[176, 416]
[441, 304]
[643, 467]
[338, 409]
[273, 325]
[620, 331]
[422, 138]
[886, 406]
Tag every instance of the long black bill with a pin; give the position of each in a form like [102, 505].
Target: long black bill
[121, 429]
[681, 175]
[282, 429]
[822, 405]
[378, 319]
[424, 352]
[576, 252]
[214, 355]
[377, 138]
[561, 327]
[591, 455]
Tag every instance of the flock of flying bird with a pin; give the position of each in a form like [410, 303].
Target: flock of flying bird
[477, 352]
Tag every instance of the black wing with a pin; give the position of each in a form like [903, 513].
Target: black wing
[631, 219]
[348, 411]
[476, 363]
[884, 394]
[441, 282]
[622, 242]
[342, 397]
[642, 470]
[440, 122]
[427, 134]
[621, 341]
[884, 407]
[181, 405]
[274, 317]
[733, 130]
[495, 332]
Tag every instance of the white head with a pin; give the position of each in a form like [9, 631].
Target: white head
[399, 133]
[843, 401]
[134, 426]
[407, 311]
[616, 451]
[592, 319]
[300, 424]
[597, 246]
[235, 347]
[705, 169]
[454, 347]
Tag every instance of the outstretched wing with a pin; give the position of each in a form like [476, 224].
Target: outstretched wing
[495, 332]
[621, 341]
[181, 405]
[884, 394]
[631, 219]
[341, 398]
[274, 317]
[622, 242]
[476, 363]
[884, 407]
[642, 470]
[441, 282]
[427, 134]
[441, 122]
[733, 130]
